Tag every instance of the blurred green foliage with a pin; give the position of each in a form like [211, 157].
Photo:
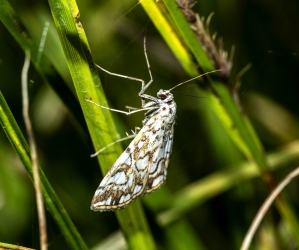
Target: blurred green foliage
[264, 35]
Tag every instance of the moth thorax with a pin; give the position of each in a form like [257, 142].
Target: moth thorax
[164, 94]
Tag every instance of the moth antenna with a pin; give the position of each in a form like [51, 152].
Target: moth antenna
[194, 78]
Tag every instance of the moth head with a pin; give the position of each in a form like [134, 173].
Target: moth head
[165, 95]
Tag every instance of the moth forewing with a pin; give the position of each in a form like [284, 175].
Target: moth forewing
[142, 167]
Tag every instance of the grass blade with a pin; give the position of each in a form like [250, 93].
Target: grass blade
[237, 126]
[44, 67]
[206, 188]
[52, 202]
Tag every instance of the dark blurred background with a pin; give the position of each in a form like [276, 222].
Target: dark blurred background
[264, 34]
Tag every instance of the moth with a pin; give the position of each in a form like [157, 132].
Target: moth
[142, 167]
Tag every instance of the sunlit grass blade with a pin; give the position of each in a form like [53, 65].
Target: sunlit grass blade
[169, 34]
[189, 37]
[52, 202]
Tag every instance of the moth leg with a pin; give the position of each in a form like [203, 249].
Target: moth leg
[133, 135]
[123, 76]
[120, 111]
[144, 87]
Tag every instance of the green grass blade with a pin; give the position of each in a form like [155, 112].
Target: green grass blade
[189, 36]
[233, 117]
[99, 121]
[169, 34]
[237, 127]
[44, 67]
[185, 230]
[201, 191]
[10, 246]
[52, 202]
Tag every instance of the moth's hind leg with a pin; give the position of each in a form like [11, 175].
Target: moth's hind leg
[134, 133]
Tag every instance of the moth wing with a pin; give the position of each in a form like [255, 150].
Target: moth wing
[159, 165]
[168, 147]
[124, 181]
[140, 169]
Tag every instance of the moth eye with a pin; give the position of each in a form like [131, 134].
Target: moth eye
[162, 96]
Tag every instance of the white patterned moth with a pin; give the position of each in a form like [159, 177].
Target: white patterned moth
[142, 167]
